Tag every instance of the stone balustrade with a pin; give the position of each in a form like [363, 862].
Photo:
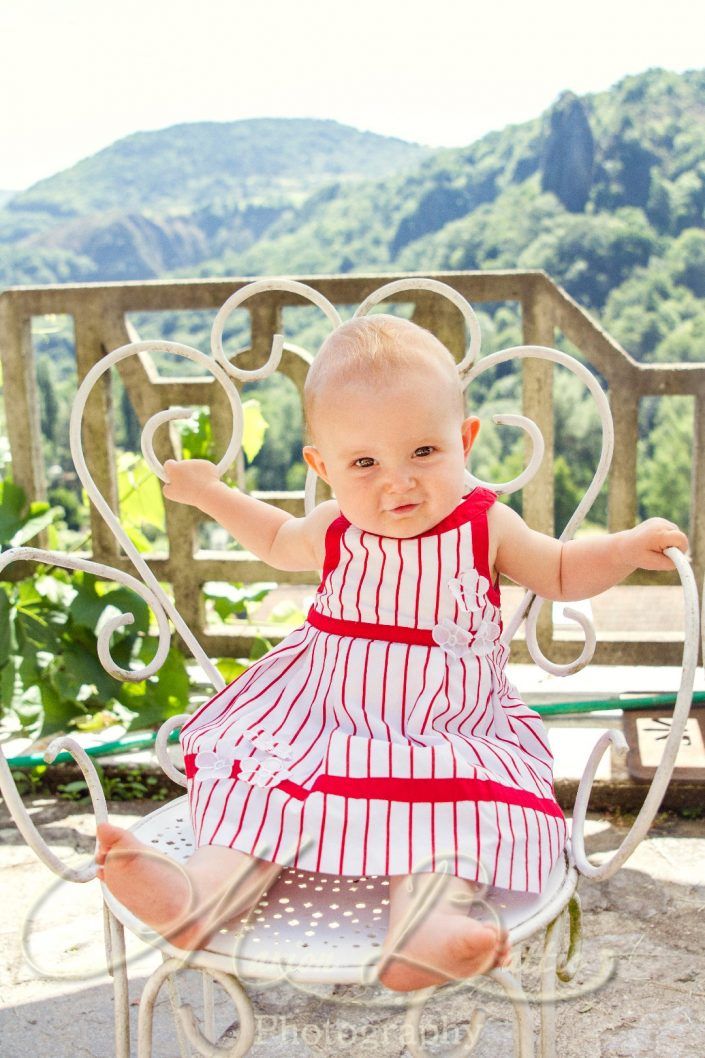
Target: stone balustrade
[99, 313]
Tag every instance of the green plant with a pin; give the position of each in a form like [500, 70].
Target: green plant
[51, 679]
[73, 791]
[29, 781]
[692, 812]
[132, 785]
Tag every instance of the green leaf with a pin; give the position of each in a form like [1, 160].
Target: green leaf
[231, 668]
[260, 646]
[197, 436]
[139, 493]
[91, 600]
[160, 696]
[74, 669]
[27, 594]
[12, 502]
[35, 631]
[29, 671]
[238, 593]
[7, 639]
[10, 683]
[28, 706]
[287, 612]
[57, 711]
[56, 590]
[129, 601]
[95, 722]
[33, 526]
[255, 427]
[136, 537]
[229, 599]
[173, 679]
[225, 609]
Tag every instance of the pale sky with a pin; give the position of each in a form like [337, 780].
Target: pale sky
[75, 75]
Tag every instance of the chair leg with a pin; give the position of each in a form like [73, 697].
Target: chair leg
[549, 958]
[523, 1023]
[114, 933]
[195, 1037]
[176, 1005]
[411, 1033]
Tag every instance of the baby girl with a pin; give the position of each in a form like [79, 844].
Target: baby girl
[382, 735]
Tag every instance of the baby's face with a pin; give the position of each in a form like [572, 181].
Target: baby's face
[393, 455]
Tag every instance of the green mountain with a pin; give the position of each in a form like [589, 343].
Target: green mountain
[592, 190]
[604, 191]
[596, 190]
[156, 201]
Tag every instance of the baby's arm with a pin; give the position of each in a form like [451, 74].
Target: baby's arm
[275, 536]
[576, 569]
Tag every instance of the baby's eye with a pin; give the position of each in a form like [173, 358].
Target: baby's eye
[424, 450]
[363, 462]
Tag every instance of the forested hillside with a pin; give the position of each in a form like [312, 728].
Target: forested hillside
[606, 192]
[156, 201]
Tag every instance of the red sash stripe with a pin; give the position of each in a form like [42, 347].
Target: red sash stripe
[407, 790]
[369, 630]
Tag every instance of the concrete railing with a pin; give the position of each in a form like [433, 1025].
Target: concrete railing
[99, 314]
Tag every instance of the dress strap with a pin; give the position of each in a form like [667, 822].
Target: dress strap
[482, 499]
[478, 501]
[332, 542]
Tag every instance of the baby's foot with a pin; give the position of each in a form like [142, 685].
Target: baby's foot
[153, 887]
[446, 947]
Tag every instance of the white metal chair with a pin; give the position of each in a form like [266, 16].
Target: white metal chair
[328, 933]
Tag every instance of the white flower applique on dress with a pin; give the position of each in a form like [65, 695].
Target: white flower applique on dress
[266, 772]
[270, 770]
[216, 764]
[264, 741]
[470, 592]
[455, 640]
[213, 764]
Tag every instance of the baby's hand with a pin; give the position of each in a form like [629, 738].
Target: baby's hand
[645, 543]
[188, 479]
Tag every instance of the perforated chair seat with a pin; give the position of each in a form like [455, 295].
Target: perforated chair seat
[316, 928]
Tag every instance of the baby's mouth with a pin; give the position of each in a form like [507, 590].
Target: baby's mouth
[404, 508]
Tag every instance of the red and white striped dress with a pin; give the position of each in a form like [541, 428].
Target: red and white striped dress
[382, 735]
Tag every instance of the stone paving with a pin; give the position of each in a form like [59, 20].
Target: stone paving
[56, 999]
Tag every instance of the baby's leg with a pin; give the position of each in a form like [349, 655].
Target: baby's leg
[186, 904]
[431, 939]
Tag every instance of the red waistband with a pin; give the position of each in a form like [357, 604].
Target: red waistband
[368, 630]
[400, 789]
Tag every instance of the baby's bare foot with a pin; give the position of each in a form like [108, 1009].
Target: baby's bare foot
[153, 887]
[446, 947]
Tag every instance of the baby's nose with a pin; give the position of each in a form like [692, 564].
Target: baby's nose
[400, 478]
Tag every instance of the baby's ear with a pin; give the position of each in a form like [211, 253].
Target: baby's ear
[313, 458]
[469, 430]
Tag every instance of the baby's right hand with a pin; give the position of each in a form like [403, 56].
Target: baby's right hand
[188, 479]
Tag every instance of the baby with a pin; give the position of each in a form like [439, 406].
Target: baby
[382, 736]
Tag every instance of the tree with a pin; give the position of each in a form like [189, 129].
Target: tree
[48, 404]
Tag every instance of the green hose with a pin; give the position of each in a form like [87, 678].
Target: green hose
[120, 745]
[651, 701]
[129, 742]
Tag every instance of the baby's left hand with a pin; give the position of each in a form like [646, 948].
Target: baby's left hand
[645, 543]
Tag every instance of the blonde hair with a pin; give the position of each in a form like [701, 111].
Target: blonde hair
[374, 349]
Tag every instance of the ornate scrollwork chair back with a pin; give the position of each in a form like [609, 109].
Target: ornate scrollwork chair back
[310, 953]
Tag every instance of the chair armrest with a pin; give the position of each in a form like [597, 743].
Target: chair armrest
[27, 828]
[662, 777]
